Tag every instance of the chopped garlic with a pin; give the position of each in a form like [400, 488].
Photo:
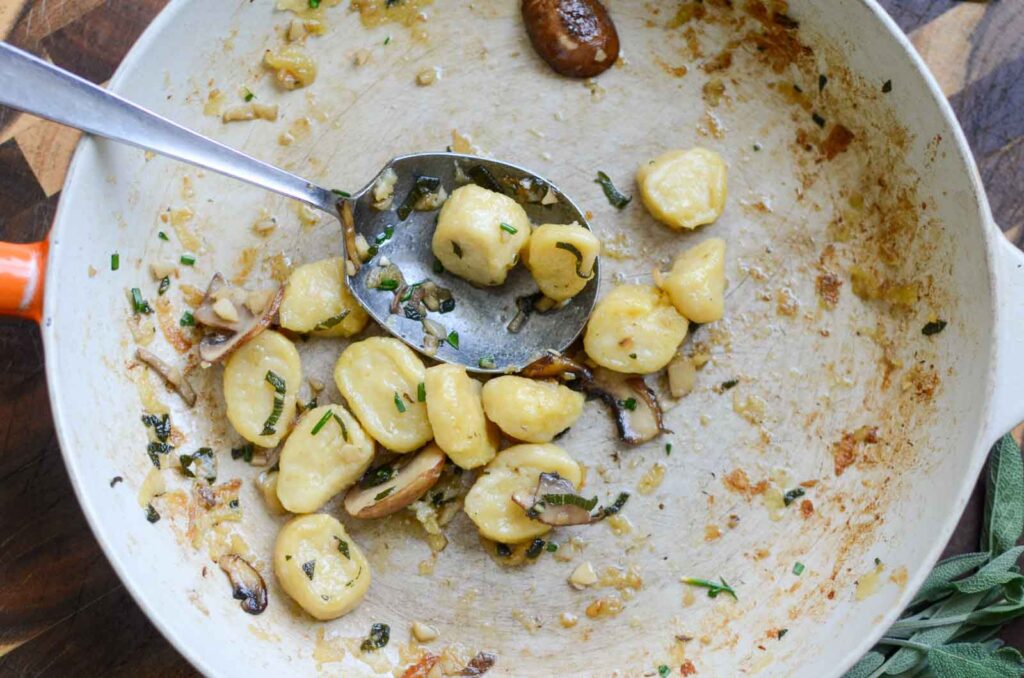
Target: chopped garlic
[226, 310]
[583, 576]
[424, 633]
[162, 269]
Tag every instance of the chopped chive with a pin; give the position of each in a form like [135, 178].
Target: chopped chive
[798, 568]
[140, 305]
[309, 567]
[314, 4]
[387, 40]
[188, 259]
[343, 547]
[551, 547]
[664, 671]
[818, 120]
[151, 514]
[399, 404]
[162, 235]
[535, 549]
[341, 194]
[331, 322]
[249, 96]
[487, 362]
[792, 496]
[323, 422]
[668, 449]
[887, 86]
[629, 404]
[933, 327]
[115, 261]
[822, 81]
[421, 392]
[388, 285]
[344, 429]
[383, 493]
[187, 319]
[726, 385]
[276, 381]
[165, 284]
[508, 228]
[453, 339]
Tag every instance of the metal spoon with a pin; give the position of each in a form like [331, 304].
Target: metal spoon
[477, 330]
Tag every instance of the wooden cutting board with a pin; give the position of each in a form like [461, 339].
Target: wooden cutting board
[63, 611]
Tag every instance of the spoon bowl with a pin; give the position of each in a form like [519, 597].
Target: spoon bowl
[498, 329]
[477, 330]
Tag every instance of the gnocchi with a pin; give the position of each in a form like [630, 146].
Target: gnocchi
[684, 189]
[530, 410]
[320, 567]
[634, 329]
[479, 234]
[561, 259]
[326, 452]
[696, 283]
[457, 416]
[255, 408]
[489, 502]
[379, 378]
[317, 300]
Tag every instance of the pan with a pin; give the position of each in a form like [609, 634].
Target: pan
[870, 353]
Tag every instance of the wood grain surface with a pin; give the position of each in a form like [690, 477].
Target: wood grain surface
[63, 611]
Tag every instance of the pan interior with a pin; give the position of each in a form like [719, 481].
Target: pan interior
[895, 214]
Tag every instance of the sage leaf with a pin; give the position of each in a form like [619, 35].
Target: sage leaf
[973, 660]
[997, 572]
[907, 658]
[1004, 498]
[997, 615]
[938, 583]
[866, 666]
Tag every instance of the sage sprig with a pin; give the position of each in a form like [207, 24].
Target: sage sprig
[949, 629]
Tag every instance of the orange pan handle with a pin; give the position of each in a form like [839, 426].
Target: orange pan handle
[21, 279]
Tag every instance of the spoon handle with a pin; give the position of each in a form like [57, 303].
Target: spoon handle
[32, 85]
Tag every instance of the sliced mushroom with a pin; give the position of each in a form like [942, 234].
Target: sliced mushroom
[231, 333]
[247, 584]
[406, 484]
[480, 664]
[555, 502]
[636, 408]
[172, 375]
[557, 366]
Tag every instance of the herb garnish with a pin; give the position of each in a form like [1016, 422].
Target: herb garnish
[713, 588]
[377, 476]
[199, 463]
[155, 449]
[551, 547]
[457, 249]
[453, 339]
[341, 194]
[161, 425]
[422, 187]
[344, 429]
[535, 548]
[569, 499]
[483, 178]
[399, 403]
[668, 449]
[886, 86]
[947, 629]
[384, 493]
[487, 362]
[188, 259]
[115, 261]
[309, 567]
[421, 392]
[244, 452]
[793, 495]
[331, 322]
[818, 120]
[822, 81]
[726, 385]
[379, 636]
[664, 671]
[249, 96]
[615, 197]
[162, 235]
[388, 285]
[275, 414]
[115, 480]
[187, 319]
[933, 327]
[387, 234]
[343, 547]
[323, 422]
[140, 305]
[617, 505]
[628, 403]
[508, 228]
[798, 568]
[151, 514]
[572, 249]
[165, 284]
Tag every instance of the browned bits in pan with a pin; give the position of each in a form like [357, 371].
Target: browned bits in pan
[575, 37]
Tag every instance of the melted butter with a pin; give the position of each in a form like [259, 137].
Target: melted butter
[376, 12]
[869, 584]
